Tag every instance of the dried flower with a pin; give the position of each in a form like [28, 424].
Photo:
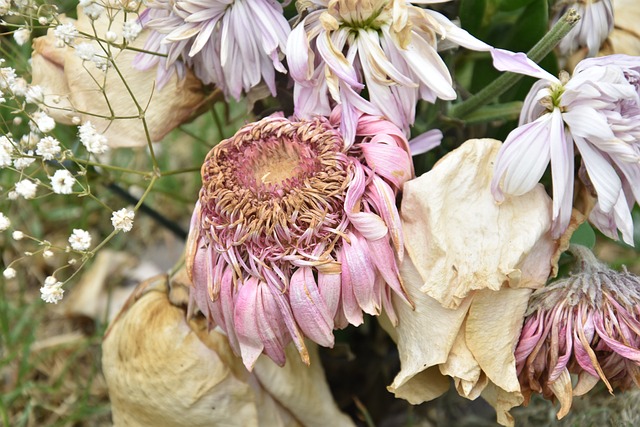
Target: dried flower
[94, 142]
[234, 44]
[22, 35]
[6, 149]
[52, 291]
[587, 324]
[17, 235]
[296, 232]
[389, 46]
[80, 240]
[62, 182]
[65, 34]
[470, 269]
[26, 188]
[43, 122]
[594, 26]
[598, 110]
[122, 220]
[131, 30]
[5, 222]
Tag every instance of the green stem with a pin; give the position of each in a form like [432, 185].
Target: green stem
[507, 80]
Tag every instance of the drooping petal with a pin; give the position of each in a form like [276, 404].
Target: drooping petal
[309, 308]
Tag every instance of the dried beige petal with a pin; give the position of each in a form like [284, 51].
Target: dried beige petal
[561, 388]
[459, 239]
[70, 85]
[163, 370]
[477, 263]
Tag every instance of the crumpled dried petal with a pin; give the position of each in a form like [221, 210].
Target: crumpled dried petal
[471, 267]
[70, 88]
[165, 370]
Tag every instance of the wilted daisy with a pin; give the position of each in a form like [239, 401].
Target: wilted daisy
[388, 46]
[296, 233]
[593, 28]
[234, 44]
[598, 110]
[587, 324]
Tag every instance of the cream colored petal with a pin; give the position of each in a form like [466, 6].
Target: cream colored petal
[301, 389]
[163, 109]
[160, 373]
[492, 331]
[468, 378]
[424, 337]
[459, 238]
[561, 389]
[502, 401]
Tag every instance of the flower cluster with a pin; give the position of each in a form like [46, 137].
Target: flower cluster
[296, 232]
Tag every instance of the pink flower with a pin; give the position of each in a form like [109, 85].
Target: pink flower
[598, 111]
[388, 47]
[296, 233]
[234, 44]
[596, 22]
[587, 324]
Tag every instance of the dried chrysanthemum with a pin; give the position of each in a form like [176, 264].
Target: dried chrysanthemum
[234, 44]
[587, 324]
[596, 22]
[296, 232]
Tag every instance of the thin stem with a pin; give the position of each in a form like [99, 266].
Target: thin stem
[507, 80]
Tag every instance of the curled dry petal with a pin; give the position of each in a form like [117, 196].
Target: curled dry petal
[71, 88]
[472, 264]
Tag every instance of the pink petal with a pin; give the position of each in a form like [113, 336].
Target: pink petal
[384, 259]
[309, 308]
[245, 316]
[329, 286]
[360, 269]
[271, 328]
[518, 62]
[425, 142]
[390, 162]
[351, 308]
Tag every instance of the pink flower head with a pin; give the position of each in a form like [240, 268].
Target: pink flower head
[598, 111]
[388, 46]
[587, 324]
[296, 233]
[234, 44]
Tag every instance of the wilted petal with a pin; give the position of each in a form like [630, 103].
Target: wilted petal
[309, 308]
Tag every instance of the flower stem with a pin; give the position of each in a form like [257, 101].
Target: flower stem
[507, 80]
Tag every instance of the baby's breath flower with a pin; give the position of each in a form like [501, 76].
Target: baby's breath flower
[94, 142]
[111, 36]
[43, 122]
[131, 30]
[22, 36]
[47, 254]
[80, 240]
[7, 77]
[9, 273]
[62, 182]
[85, 51]
[65, 34]
[6, 148]
[122, 220]
[12, 195]
[93, 10]
[34, 94]
[52, 290]
[22, 163]
[17, 235]
[26, 188]
[18, 86]
[5, 6]
[5, 222]
[48, 147]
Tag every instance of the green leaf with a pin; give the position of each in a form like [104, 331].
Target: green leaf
[492, 112]
[509, 5]
[584, 236]
[472, 14]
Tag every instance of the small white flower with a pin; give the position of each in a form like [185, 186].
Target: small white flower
[26, 188]
[22, 36]
[131, 30]
[6, 149]
[7, 77]
[52, 291]
[47, 254]
[62, 182]
[9, 273]
[43, 122]
[12, 195]
[80, 240]
[111, 36]
[100, 62]
[93, 141]
[5, 222]
[122, 220]
[65, 34]
[22, 163]
[34, 94]
[48, 147]
[5, 6]
[85, 51]
[19, 86]
[17, 235]
[94, 10]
